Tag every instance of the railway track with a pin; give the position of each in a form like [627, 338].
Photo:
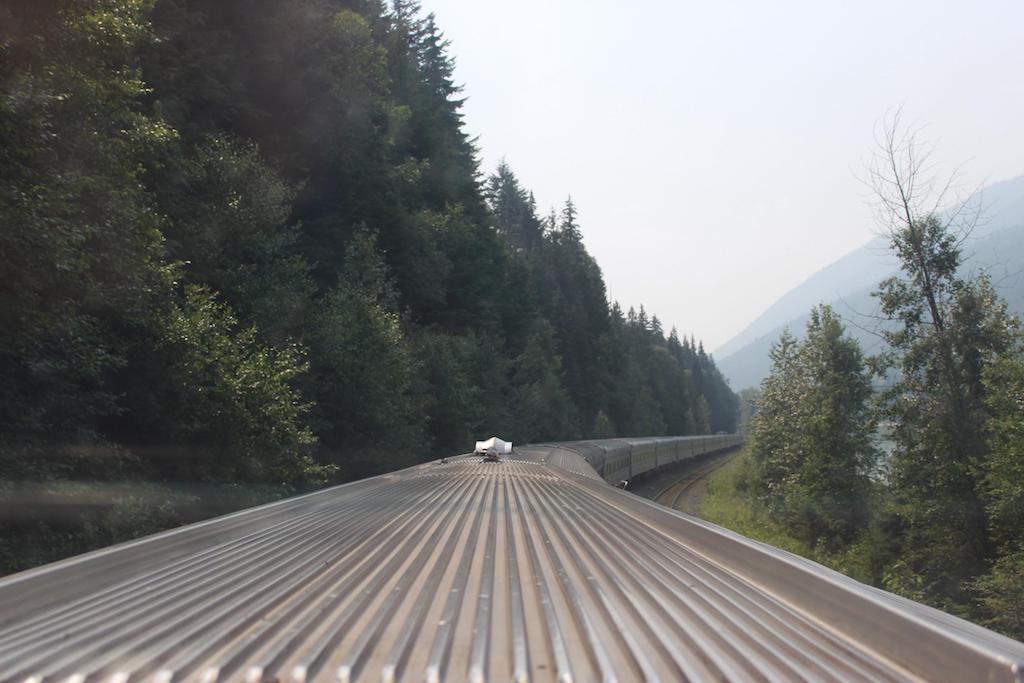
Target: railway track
[674, 496]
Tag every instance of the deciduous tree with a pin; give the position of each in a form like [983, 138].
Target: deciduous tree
[813, 450]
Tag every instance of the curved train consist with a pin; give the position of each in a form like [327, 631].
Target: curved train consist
[619, 460]
[532, 568]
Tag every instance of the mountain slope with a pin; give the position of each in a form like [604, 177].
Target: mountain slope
[997, 246]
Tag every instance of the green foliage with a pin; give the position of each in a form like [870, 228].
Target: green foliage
[364, 371]
[748, 400]
[1001, 589]
[603, 427]
[237, 415]
[131, 517]
[469, 389]
[228, 222]
[941, 521]
[249, 242]
[729, 504]
[514, 210]
[1003, 482]
[702, 416]
[80, 244]
[543, 410]
[812, 434]
[946, 331]
[610, 363]
[1001, 593]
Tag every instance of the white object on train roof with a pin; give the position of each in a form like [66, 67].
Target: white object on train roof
[493, 445]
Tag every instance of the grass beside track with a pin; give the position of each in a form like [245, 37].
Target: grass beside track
[726, 506]
[687, 493]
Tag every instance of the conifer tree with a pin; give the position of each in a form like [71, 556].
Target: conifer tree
[255, 231]
[544, 410]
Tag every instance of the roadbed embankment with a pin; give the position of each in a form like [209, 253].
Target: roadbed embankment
[681, 486]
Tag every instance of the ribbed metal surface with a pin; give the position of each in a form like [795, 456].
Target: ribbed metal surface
[515, 570]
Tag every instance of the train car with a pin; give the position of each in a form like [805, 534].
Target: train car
[617, 464]
[619, 460]
[666, 452]
[687, 447]
[642, 457]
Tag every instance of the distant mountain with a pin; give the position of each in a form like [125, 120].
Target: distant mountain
[997, 245]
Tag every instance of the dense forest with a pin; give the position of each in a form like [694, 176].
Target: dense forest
[934, 510]
[250, 243]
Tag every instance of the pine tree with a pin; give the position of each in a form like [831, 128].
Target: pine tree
[543, 409]
[603, 427]
[363, 369]
[254, 231]
[514, 210]
[568, 227]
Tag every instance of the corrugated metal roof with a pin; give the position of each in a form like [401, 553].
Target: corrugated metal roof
[515, 570]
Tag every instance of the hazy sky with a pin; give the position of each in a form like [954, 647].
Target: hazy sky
[713, 148]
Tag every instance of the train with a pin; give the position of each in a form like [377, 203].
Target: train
[536, 568]
[617, 461]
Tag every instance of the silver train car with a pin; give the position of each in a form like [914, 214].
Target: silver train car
[620, 460]
[533, 569]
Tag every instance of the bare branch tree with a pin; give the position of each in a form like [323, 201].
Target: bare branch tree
[907, 184]
[926, 218]
[915, 204]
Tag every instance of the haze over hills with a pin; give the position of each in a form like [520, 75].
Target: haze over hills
[996, 245]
